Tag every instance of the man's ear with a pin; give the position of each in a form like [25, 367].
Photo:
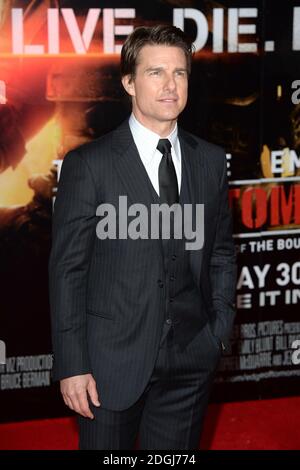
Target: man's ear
[128, 84]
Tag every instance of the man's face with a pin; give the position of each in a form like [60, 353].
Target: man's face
[159, 88]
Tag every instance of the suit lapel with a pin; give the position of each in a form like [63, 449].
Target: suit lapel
[196, 171]
[132, 172]
[129, 166]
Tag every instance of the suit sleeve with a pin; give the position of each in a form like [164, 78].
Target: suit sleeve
[223, 266]
[73, 233]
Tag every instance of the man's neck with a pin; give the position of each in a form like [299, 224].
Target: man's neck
[163, 129]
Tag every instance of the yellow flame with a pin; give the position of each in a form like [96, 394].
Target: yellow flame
[41, 150]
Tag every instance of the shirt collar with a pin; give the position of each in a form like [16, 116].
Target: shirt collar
[147, 140]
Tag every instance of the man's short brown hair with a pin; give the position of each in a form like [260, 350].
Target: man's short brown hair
[150, 36]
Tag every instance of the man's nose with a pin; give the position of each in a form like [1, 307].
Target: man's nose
[170, 83]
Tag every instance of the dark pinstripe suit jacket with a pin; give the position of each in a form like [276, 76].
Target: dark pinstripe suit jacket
[106, 307]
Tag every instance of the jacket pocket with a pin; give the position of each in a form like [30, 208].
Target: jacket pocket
[99, 314]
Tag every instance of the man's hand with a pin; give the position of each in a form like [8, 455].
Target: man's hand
[74, 391]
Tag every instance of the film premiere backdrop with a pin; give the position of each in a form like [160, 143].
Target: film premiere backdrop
[59, 87]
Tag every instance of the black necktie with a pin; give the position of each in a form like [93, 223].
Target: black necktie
[168, 186]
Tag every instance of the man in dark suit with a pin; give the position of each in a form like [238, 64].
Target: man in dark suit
[139, 324]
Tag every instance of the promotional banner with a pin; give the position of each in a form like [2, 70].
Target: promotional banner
[60, 87]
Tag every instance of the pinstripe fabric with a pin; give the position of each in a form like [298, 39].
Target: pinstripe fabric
[107, 308]
[177, 396]
[169, 413]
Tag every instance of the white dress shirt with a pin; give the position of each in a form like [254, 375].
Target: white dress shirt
[146, 142]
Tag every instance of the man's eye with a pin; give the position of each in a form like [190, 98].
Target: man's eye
[155, 72]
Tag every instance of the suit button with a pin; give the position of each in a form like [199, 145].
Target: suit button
[169, 321]
[160, 283]
[171, 299]
[174, 257]
[172, 278]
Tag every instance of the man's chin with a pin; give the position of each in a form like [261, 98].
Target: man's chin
[166, 117]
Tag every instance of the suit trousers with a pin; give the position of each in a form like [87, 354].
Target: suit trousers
[169, 413]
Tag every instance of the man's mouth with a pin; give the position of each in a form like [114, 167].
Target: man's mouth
[168, 100]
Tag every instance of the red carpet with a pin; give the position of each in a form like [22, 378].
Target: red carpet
[251, 425]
